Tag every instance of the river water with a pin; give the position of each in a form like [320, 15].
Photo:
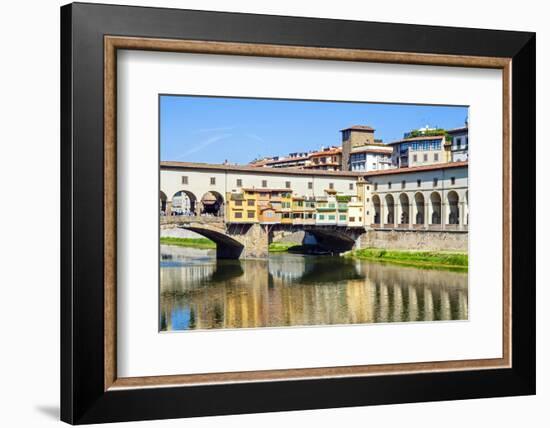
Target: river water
[199, 292]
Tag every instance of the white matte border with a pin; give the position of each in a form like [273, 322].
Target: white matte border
[143, 351]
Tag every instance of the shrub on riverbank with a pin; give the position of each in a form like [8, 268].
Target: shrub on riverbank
[428, 259]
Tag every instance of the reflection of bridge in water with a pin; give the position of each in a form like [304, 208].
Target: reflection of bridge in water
[234, 241]
[290, 290]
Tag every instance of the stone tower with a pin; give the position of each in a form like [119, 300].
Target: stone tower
[355, 136]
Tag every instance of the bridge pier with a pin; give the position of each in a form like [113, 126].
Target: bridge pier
[253, 237]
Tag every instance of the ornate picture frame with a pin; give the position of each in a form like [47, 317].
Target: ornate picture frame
[91, 389]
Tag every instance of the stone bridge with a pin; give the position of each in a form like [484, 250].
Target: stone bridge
[233, 241]
[239, 240]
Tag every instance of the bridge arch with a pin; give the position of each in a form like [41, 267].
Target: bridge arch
[332, 240]
[226, 246]
[435, 201]
[212, 203]
[390, 204]
[419, 204]
[184, 202]
[404, 205]
[452, 202]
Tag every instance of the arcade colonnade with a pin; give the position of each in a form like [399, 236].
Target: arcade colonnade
[425, 209]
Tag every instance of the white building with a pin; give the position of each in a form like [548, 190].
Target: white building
[459, 144]
[370, 158]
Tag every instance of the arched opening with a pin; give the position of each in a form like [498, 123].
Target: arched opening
[390, 204]
[226, 246]
[376, 203]
[163, 199]
[435, 200]
[452, 201]
[184, 203]
[212, 204]
[419, 203]
[404, 204]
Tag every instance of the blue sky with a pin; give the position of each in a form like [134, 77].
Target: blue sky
[213, 129]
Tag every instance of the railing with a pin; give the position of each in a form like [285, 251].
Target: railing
[171, 219]
[426, 227]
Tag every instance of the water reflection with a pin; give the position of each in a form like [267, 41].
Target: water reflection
[200, 292]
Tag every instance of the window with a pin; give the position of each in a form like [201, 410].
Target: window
[360, 218]
[342, 217]
[321, 216]
[331, 186]
[351, 186]
[368, 187]
[435, 182]
[212, 180]
[239, 215]
[452, 181]
[332, 217]
[250, 214]
[403, 184]
[351, 219]
[184, 179]
[264, 183]
[239, 182]
[287, 184]
[425, 157]
[389, 185]
[310, 185]
[238, 203]
[375, 186]
[418, 183]
[436, 157]
[458, 142]
[415, 158]
[250, 202]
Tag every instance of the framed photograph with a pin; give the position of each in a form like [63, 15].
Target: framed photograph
[266, 213]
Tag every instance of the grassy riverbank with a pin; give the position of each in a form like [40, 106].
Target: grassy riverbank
[203, 243]
[423, 259]
[281, 247]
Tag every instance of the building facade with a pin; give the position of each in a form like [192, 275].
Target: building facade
[459, 144]
[370, 158]
[425, 197]
[420, 151]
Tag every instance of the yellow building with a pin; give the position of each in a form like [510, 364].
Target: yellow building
[286, 207]
[242, 207]
[298, 209]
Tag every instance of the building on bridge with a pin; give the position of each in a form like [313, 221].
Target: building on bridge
[425, 197]
[207, 185]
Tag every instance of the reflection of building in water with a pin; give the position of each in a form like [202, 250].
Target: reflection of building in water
[294, 290]
[286, 268]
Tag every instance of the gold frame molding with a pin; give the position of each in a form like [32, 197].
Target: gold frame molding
[113, 43]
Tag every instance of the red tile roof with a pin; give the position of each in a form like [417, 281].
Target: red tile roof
[417, 168]
[359, 128]
[423, 137]
[252, 169]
